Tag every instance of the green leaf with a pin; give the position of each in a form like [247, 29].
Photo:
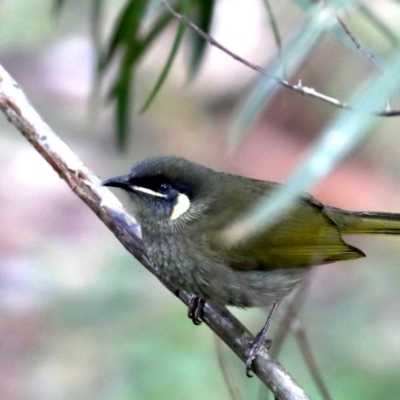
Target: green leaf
[305, 5]
[274, 25]
[339, 34]
[126, 30]
[126, 37]
[295, 54]
[198, 45]
[96, 24]
[167, 67]
[122, 92]
[154, 32]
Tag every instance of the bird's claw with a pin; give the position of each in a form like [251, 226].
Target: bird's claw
[195, 310]
[259, 341]
[254, 348]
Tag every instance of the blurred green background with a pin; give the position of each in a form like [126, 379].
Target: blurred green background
[79, 317]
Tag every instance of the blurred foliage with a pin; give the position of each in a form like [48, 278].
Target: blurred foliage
[140, 23]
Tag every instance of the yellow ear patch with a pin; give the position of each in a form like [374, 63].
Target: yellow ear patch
[181, 206]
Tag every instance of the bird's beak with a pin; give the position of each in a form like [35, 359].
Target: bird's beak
[119, 182]
[124, 182]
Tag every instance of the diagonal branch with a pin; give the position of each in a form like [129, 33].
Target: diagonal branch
[105, 205]
[297, 87]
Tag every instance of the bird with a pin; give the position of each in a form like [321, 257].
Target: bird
[183, 208]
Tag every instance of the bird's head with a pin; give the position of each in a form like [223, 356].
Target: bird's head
[167, 191]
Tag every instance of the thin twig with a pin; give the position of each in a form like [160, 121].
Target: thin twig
[304, 345]
[290, 323]
[292, 309]
[106, 206]
[370, 57]
[299, 88]
[233, 388]
[274, 26]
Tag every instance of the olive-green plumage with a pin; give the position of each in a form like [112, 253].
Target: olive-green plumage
[183, 207]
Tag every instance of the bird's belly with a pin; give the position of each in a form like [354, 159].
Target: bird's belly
[211, 280]
[261, 288]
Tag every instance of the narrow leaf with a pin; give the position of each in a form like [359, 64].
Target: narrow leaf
[167, 67]
[126, 29]
[295, 54]
[274, 25]
[123, 105]
[198, 44]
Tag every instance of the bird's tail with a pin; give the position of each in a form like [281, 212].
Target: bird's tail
[359, 222]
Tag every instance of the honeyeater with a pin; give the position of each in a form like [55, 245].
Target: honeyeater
[183, 208]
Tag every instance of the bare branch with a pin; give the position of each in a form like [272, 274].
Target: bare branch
[106, 206]
[291, 323]
[370, 57]
[301, 337]
[299, 88]
[231, 384]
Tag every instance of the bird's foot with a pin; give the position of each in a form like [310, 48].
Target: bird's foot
[259, 341]
[195, 310]
[254, 348]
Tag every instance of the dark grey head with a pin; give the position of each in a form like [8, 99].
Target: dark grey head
[166, 188]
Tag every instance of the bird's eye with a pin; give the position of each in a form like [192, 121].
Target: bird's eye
[164, 188]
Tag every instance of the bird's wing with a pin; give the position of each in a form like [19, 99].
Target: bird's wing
[306, 236]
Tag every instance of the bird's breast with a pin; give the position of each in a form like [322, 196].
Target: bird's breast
[190, 265]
